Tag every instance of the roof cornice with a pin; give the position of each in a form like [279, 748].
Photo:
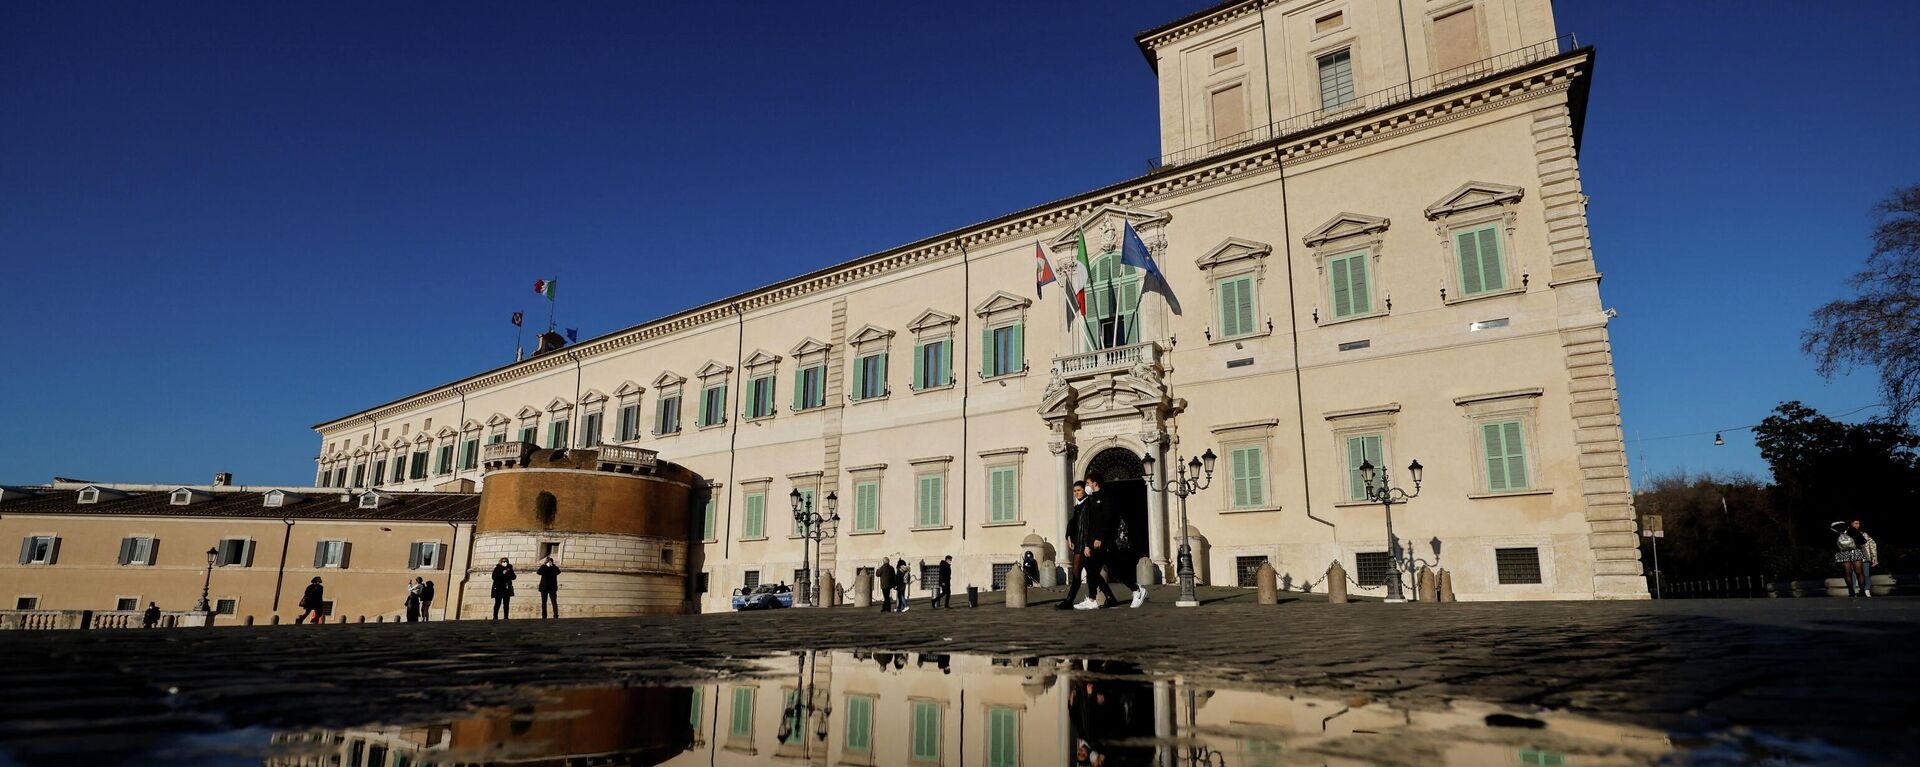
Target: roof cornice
[1550, 75]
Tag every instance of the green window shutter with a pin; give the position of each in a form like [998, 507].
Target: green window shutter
[1229, 320]
[1249, 489]
[800, 388]
[880, 385]
[1506, 456]
[1003, 737]
[741, 725]
[920, 367]
[988, 353]
[1351, 295]
[705, 399]
[1342, 288]
[1364, 448]
[1516, 455]
[708, 517]
[860, 378]
[1019, 355]
[1243, 305]
[945, 360]
[1492, 267]
[754, 526]
[926, 731]
[1003, 493]
[866, 507]
[859, 724]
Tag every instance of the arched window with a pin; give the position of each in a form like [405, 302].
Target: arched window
[1113, 302]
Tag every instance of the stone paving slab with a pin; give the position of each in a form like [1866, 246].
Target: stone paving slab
[1835, 669]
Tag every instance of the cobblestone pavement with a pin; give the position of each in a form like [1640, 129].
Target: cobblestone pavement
[1839, 670]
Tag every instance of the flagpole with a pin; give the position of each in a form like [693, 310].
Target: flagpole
[554, 285]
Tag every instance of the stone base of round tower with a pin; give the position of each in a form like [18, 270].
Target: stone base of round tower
[601, 575]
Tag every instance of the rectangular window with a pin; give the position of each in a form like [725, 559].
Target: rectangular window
[1506, 456]
[26, 603]
[1372, 568]
[379, 471]
[870, 376]
[1351, 294]
[399, 468]
[234, 552]
[497, 437]
[359, 475]
[340, 477]
[740, 724]
[590, 430]
[810, 387]
[866, 507]
[423, 555]
[1329, 22]
[126, 604]
[1003, 494]
[529, 433]
[702, 582]
[926, 731]
[754, 524]
[751, 578]
[1249, 477]
[557, 434]
[931, 508]
[667, 421]
[1236, 306]
[1003, 352]
[443, 463]
[331, 554]
[1226, 58]
[1336, 78]
[1456, 40]
[932, 364]
[418, 467]
[1229, 112]
[760, 397]
[1362, 448]
[629, 422]
[1246, 570]
[136, 550]
[38, 549]
[1003, 737]
[1516, 566]
[713, 405]
[710, 517]
[225, 606]
[1478, 251]
[470, 454]
[859, 724]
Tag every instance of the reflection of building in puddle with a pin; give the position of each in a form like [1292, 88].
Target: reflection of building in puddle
[920, 710]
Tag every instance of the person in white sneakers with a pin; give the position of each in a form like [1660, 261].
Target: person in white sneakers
[1098, 525]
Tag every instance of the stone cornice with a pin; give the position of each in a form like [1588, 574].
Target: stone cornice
[1552, 75]
[1194, 24]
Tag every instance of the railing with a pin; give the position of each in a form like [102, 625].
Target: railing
[1479, 70]
[1758, 586]
[1103, 360]
[505, 452]
[46, 620]
[624, 457]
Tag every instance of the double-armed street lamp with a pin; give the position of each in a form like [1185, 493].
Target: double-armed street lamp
[1386, 495]
[814, 527]
[802, 707]
[206, 586]
[1187, 480]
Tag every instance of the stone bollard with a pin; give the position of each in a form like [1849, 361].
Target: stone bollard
[829, 596]
[376, 619]
[363, 619]
[1336, 584]
[1446, 585]
[863, 589]
[1016, 589]
[276, 620]
[249, 621]
[1268, 583]
[1049, 575]
[1429, 585]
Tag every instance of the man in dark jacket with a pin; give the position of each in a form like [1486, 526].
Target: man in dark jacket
[1097, 528]
[503, 577]
[151, 617]
[886, 578]
[426, 598]
[311, 601]
[1075, 519]
[943, 588]
[549, 587]
[902, 579]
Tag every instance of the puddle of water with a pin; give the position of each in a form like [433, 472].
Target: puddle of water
[922, 710]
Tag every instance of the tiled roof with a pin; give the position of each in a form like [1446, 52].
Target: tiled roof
[400, 507]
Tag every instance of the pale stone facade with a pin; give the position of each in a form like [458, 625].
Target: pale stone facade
[1392, 263]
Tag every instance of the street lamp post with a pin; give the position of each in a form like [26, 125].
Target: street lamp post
[1187, 481]
[1386, 495]
[814, 527]
[206, 586]
[795, 713]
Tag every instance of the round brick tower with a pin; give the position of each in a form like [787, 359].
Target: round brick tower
[615, 520]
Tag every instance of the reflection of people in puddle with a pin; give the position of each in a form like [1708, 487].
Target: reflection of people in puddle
[1105, 713]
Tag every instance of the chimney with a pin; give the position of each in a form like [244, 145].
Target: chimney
[223, 479]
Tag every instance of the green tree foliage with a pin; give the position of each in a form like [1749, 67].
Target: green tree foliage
[1880, 327]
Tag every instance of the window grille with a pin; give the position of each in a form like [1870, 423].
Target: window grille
[1244, 569]
[1517, 565]
[1000, 572]
[1372, 568]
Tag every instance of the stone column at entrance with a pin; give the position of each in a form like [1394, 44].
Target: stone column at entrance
[1063, 464]
[1157, 502]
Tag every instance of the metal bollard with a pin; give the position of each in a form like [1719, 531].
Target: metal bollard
[1336, 584]
[1268, 584]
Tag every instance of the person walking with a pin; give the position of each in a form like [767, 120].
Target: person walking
[426, 598]
[1076, 524]
[943, 585]
[1872, 551]
[151, 617]
[1097, 527]
[413, 601]
[549, 587]
[1030, 568]
[1852, 556]
[503, 577]
[884, 574]
[903, 578]
[310, 602]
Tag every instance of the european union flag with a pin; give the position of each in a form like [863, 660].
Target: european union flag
[573, 335]
[1134, 253]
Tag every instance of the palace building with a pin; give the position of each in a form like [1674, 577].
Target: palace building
[1375, 250]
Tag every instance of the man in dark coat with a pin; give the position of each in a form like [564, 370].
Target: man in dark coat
[151, 617]
[902, 578]
[886, 578]
[426, 597]
[1075, 519]
[943, 588]
[1098, 525]
[549, 587]
[312, 600]
[503, 576]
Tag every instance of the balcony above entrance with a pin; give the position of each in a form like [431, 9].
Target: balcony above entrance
[1120, 381]
[1087, 365]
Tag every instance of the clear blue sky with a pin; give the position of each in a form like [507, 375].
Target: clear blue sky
[223, 222]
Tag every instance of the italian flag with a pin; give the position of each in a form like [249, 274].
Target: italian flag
[544, 287]
[1082, 272]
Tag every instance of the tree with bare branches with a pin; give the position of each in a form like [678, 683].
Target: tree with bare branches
[1880, 327]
